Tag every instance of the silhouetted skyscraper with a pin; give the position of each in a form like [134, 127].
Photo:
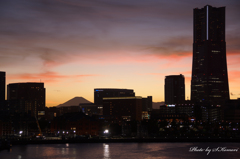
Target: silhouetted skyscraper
[174, 89]
[209, 68]
[2, 89]
[26, 97]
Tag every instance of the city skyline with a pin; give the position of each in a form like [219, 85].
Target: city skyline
[76, 46]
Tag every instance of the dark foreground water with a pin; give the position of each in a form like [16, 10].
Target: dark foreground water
[124, 151]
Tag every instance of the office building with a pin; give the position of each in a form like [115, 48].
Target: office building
[73, 124]
[174, 89]
[2, 90]
[231, 111]
[26, 97]
[184, 109]
[100, 93]
[146, 107]
[209, 82]
[147, 103]
[91, 109]
[123, 108]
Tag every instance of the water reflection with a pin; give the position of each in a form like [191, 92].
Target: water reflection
[119, 150]
[74, 151]
[106, 152]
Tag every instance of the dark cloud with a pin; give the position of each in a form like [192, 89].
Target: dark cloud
[56, 31]
[51, 57]
[179, 46]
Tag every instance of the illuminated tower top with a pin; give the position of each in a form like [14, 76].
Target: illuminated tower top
[209, 24]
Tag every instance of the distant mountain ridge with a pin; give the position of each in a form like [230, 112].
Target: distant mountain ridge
[77, 100]
[74, 102]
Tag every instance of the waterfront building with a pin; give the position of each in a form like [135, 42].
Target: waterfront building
[185, 107]
[231, 111]
[123, 108]
[174, 89]
[75, 124]
[5, 124]
[26, 97]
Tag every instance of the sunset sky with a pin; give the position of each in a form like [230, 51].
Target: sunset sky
[74, 46]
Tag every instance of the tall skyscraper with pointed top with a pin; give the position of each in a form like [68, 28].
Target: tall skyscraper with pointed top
[209, 82]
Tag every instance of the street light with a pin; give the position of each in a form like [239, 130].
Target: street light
[20, 133]
[106, 131]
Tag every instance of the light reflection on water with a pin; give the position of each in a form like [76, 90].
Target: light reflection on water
[106, 152]
[118, 150]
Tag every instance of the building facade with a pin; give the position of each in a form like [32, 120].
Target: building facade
[209, 82]
[100, 93]
[174, 89]
[231, 111]
[146, 107]
[72, 124]
[26, 97]
[91, 109]
[2, 90]
[187, 107]
[123, 108]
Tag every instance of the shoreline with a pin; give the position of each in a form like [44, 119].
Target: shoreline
[12, 143]
[137, 140]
